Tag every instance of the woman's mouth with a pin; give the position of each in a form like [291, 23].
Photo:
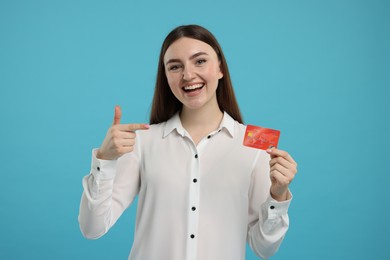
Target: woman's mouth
[192, 88]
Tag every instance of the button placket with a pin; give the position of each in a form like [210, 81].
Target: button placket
[194, 197]
[193, 205]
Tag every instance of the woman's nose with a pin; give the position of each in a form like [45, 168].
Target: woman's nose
[188, 73]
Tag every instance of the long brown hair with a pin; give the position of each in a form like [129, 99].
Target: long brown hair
[165, 104]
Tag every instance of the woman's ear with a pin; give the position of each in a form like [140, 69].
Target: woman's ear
[220, 76]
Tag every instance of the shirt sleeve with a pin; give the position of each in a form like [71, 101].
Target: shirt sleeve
[268, 218]
[109, 189]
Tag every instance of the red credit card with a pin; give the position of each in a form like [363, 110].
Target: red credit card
[260, 137]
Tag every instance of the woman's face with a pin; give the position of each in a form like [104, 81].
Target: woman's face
[193, 69]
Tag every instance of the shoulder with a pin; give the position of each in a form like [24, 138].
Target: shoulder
[155, 131]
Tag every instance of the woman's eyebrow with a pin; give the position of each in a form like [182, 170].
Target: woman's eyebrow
[197, 54]
[191, 58]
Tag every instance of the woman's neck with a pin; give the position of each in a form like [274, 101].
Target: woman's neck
[200, 122]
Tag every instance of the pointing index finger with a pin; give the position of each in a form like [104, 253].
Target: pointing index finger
[134, 127]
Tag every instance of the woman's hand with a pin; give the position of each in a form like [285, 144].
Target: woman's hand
[120, 138]
[282, 171]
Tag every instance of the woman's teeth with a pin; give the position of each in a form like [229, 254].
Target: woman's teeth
[193, 87]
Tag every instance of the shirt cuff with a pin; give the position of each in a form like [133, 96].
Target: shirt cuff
[102, 169]
[274, 208]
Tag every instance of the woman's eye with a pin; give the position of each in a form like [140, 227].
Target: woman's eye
[200, 61]
[173, 67]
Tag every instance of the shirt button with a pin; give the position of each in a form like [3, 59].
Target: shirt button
[192, 236]
[193, 208]
[196, 156]
[272, 207]
[208, 137]
[98, 168]
[194, 180]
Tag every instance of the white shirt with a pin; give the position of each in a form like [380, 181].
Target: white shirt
[199, 202]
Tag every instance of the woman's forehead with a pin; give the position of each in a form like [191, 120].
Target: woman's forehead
[186, 47]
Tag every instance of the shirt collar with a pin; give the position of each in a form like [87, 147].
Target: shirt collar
[175, 123]
[227, 124]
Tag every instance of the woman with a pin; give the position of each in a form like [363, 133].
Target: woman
[201, 193]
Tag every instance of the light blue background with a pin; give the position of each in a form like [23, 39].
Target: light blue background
[316, 70]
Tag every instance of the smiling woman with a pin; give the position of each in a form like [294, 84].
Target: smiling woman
[193, 72]
[197, 184]
[165, 104]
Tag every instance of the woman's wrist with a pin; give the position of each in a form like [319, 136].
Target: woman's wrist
[283, 197]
